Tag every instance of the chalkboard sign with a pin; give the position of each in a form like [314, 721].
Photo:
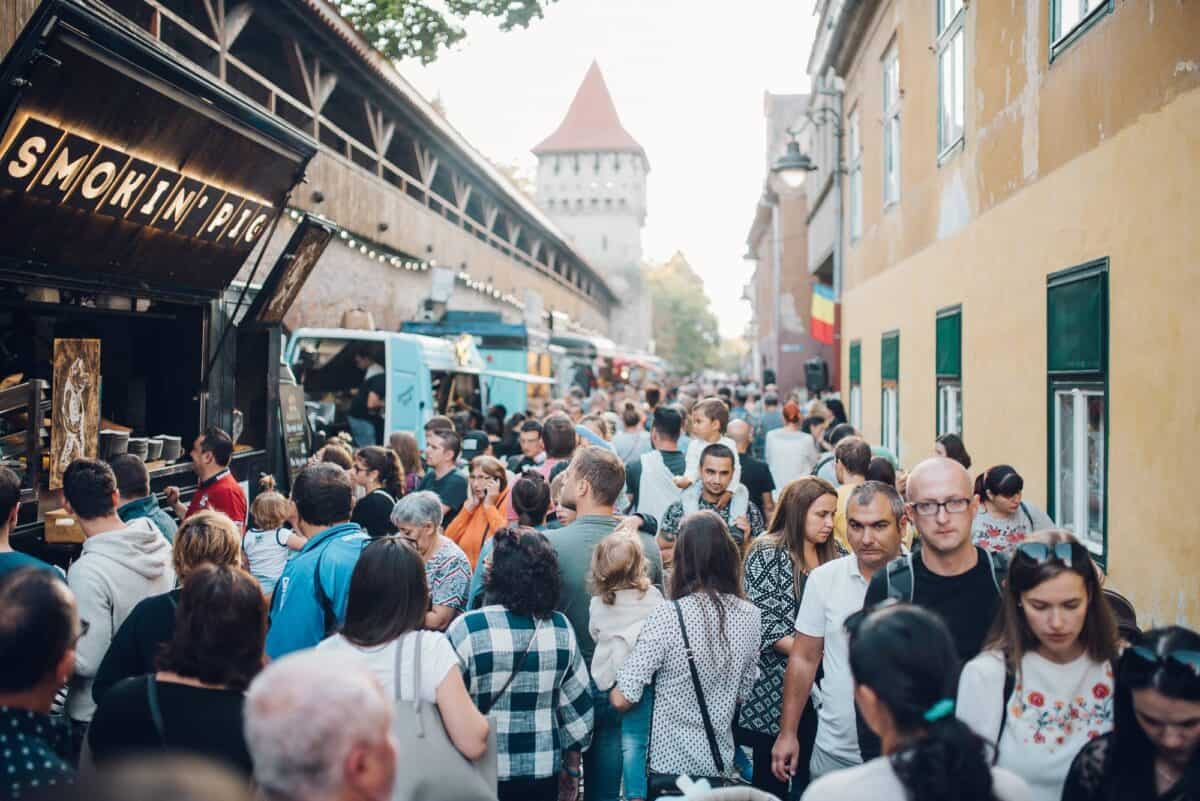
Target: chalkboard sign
[294, 428]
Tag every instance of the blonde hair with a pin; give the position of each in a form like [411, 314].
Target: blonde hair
[270, 508]
[598, 424]
[619, 563]
[206, 537]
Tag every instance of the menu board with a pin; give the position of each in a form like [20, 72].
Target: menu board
[75, 426]
[294, 428]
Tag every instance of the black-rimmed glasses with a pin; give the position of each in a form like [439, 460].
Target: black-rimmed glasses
[954, 506]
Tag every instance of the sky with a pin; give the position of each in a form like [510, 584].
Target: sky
[687, 78]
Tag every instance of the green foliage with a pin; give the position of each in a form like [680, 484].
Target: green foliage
[421, 29]
[685, 329]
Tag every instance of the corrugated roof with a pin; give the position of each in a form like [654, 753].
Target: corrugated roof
[592, 123]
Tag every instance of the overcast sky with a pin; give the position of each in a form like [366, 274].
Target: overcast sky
[687, 77]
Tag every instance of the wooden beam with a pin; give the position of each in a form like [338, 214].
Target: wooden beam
[236, 19]
[427, 163]
[318, 85]
[514, 231]
[382, 131]
[535, 249]
[491, 212]
[462, 193]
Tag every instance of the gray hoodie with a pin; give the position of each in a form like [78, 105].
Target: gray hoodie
[116, 570]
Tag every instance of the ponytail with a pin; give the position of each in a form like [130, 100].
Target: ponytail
[270, 509]
[386, 462]
[948, 764]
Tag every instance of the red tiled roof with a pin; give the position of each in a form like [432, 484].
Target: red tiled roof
[591, 123]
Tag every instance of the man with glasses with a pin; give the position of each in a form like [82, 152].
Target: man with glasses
[834, 592]
[947, 574]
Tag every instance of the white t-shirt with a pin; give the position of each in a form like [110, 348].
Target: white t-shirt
[834, 591]
[877, 781]
[437, 659]
[267, 552]
[1053, 712]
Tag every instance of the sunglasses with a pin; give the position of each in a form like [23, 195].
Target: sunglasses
[1182, 660]
[1041, 553]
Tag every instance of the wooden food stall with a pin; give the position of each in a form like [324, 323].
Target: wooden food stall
[133, 188]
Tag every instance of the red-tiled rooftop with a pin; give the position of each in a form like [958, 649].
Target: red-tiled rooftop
[592, 123]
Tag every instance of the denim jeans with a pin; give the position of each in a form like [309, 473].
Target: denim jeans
[618, 750]
[363, 431]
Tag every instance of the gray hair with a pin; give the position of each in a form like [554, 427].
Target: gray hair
[417, 509]
[298, 735]
[864, 493]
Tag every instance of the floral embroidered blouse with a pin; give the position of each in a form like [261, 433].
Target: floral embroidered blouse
[1053, 712]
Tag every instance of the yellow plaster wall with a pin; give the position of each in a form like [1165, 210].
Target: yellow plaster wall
[1134, 200]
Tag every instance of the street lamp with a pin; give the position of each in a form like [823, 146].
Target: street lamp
[793, 165]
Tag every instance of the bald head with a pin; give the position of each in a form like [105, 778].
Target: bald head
[739, 432]
[940, 472]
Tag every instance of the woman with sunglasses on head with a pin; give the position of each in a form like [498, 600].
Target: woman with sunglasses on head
[905, 666]
[1004, 519]
[385, 611]
[1043, 686]
[1153, 751]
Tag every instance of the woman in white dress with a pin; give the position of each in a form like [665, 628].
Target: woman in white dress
[791, 453]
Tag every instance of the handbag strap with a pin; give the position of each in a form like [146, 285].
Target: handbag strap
[416, 701]
[708, 727]
[156, 716]
[516, 669]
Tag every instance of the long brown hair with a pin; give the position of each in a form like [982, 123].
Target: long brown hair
[405, 446]
[707, 561]
[787, 529]
[1011, 632]
[386, 463]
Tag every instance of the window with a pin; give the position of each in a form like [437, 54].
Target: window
[856, 385]
[889, 362]
[1077, 364]
[854, 171]
[596, 166]
[891, 127]
[557, 165]
[1069, 19]
[949, 370]
[951, 73]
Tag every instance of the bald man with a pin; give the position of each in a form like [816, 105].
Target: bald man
[756, 476]
[947, 573]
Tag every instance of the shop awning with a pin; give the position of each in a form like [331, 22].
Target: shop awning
[123, 167]
[528, 378]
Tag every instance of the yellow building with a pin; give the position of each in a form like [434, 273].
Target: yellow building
[1022, 256]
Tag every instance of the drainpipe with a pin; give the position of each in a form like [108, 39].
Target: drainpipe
[777, 284]
[839, 132]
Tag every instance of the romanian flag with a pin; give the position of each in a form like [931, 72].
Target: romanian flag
[822, 314]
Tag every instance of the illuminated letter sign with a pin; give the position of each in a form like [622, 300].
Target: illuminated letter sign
[66, 168]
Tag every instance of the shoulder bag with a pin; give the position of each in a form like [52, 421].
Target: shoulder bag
[428, 764]
[665, 785]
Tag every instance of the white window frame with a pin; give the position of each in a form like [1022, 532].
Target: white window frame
[891, 126]
[854, 174]
[949, 406]
[889, 436]
[1080, 480]
[1088, 12]
[951, 44]
[856, 406]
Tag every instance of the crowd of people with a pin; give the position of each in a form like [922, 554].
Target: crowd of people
[618, 597]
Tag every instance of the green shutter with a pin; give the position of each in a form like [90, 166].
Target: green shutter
[855, 363]
[889, 358]
[949, 344]
[1077, 320]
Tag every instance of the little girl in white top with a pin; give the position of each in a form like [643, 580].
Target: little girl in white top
[268, 544]
[623, 598]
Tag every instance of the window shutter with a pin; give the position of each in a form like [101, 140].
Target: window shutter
[855, 362]
[949, 344]
[1077, 321]
[890, 357]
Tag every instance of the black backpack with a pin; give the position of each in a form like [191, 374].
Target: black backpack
[898, 574]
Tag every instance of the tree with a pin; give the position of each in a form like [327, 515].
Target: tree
[421, 29]
[685, 329]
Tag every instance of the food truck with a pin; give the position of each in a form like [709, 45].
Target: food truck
[425, 376]
[133, 188]
[509, 347]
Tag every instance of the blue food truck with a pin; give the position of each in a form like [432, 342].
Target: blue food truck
[425, 376]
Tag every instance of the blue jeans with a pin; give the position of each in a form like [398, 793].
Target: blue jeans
[363, 431]
[618, 750]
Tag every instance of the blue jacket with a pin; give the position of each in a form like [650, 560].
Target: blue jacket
[297, 619]
[148, 507]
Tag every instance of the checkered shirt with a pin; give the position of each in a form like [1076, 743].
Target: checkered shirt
[548, 707]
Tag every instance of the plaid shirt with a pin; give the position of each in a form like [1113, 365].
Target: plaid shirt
[548, 707]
